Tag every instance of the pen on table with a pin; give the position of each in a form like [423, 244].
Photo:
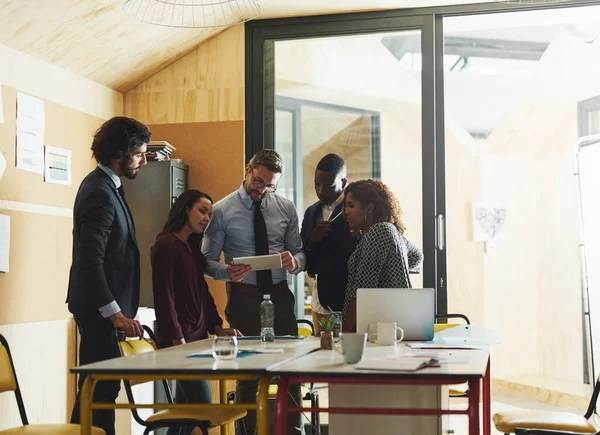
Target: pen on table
[336, 216]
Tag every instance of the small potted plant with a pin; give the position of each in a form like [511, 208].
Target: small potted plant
[327, 326]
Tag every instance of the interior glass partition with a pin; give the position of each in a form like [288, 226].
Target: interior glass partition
[511, 91]
[491, 91]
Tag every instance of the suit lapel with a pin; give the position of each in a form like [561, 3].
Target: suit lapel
[124, 207]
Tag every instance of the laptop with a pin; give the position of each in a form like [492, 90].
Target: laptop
[412, 309]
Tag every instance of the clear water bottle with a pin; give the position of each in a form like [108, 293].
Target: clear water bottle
[267, 320]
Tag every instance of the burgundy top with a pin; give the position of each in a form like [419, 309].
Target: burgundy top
[184, 307]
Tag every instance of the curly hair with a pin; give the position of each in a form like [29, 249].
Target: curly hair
[117, 138]
[385, 205]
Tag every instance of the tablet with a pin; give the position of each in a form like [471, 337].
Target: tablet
[261, 262]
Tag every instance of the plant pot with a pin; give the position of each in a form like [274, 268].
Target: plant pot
[326, 341]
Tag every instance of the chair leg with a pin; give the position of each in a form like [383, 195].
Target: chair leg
[318, 422]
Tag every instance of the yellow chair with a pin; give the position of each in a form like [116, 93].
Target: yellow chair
[305, 331]
[456, 390]
[549, 422]
[8, 382]
[202, 418]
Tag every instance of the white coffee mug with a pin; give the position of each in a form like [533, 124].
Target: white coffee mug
[353, 346]
[387, 333]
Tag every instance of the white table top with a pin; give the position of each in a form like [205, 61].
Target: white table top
[465, 363]
[175, 359]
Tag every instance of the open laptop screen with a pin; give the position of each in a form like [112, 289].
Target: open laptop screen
[412, 309]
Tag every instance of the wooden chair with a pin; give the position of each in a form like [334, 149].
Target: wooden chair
[8, 382]
[549, 422]
[202, 418]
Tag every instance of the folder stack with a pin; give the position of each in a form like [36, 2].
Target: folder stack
[159, 150]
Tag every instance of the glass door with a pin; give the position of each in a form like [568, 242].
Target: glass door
[358, 96]
[363, 87]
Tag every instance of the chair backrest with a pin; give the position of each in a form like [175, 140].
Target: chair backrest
[135, 347]
[305, 331]
[592, 406]
[8, 377]
[438, 327]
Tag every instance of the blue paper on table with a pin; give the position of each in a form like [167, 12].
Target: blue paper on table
[241, 354]
[280, 337]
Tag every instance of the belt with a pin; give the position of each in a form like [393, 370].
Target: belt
[252, 289]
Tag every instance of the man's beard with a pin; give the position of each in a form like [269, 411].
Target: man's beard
[126, 170]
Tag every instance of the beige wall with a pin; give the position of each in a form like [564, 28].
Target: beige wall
[33, 314]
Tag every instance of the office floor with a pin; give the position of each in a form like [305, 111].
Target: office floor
[459, 424]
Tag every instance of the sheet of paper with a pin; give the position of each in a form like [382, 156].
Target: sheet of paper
[30, 133]
[398, 364]
[250, 349]
[261, 262]
[445, 346]
[4, 242]
[2, 164]
[57, 166]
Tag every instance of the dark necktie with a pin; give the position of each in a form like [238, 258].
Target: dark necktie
[122, 195]
[264, 278]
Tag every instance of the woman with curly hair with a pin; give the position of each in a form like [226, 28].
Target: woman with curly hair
[383, 257]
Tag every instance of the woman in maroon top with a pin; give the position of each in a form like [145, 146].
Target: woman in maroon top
[185, 309]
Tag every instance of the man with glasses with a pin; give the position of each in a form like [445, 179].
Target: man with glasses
[253, 220]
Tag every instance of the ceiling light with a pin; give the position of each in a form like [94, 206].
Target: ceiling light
[192, 13]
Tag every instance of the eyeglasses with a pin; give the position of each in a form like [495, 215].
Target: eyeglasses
[260, 184]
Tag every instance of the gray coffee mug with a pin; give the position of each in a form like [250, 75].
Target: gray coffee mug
[353, 346]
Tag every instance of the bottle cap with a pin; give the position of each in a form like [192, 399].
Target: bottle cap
[266, 297]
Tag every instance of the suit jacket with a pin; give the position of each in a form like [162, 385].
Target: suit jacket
[329, 259]
[106, 258]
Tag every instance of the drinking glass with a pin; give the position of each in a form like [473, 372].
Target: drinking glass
[224, 347]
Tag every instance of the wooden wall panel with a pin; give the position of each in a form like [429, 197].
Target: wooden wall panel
[205, 85]
[40, 257]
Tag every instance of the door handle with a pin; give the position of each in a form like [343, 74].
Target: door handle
[440, 233]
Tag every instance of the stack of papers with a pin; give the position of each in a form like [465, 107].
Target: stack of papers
[402, 364]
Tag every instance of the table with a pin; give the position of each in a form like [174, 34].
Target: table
[328, 367]
[173, 363]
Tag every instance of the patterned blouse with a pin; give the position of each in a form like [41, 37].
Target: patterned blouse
[382, 259]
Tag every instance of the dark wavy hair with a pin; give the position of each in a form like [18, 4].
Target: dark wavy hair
[385, 205]
[117, 138]
[178, 218]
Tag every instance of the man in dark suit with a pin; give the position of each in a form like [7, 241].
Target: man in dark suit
[328, 243]
[104, 282]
